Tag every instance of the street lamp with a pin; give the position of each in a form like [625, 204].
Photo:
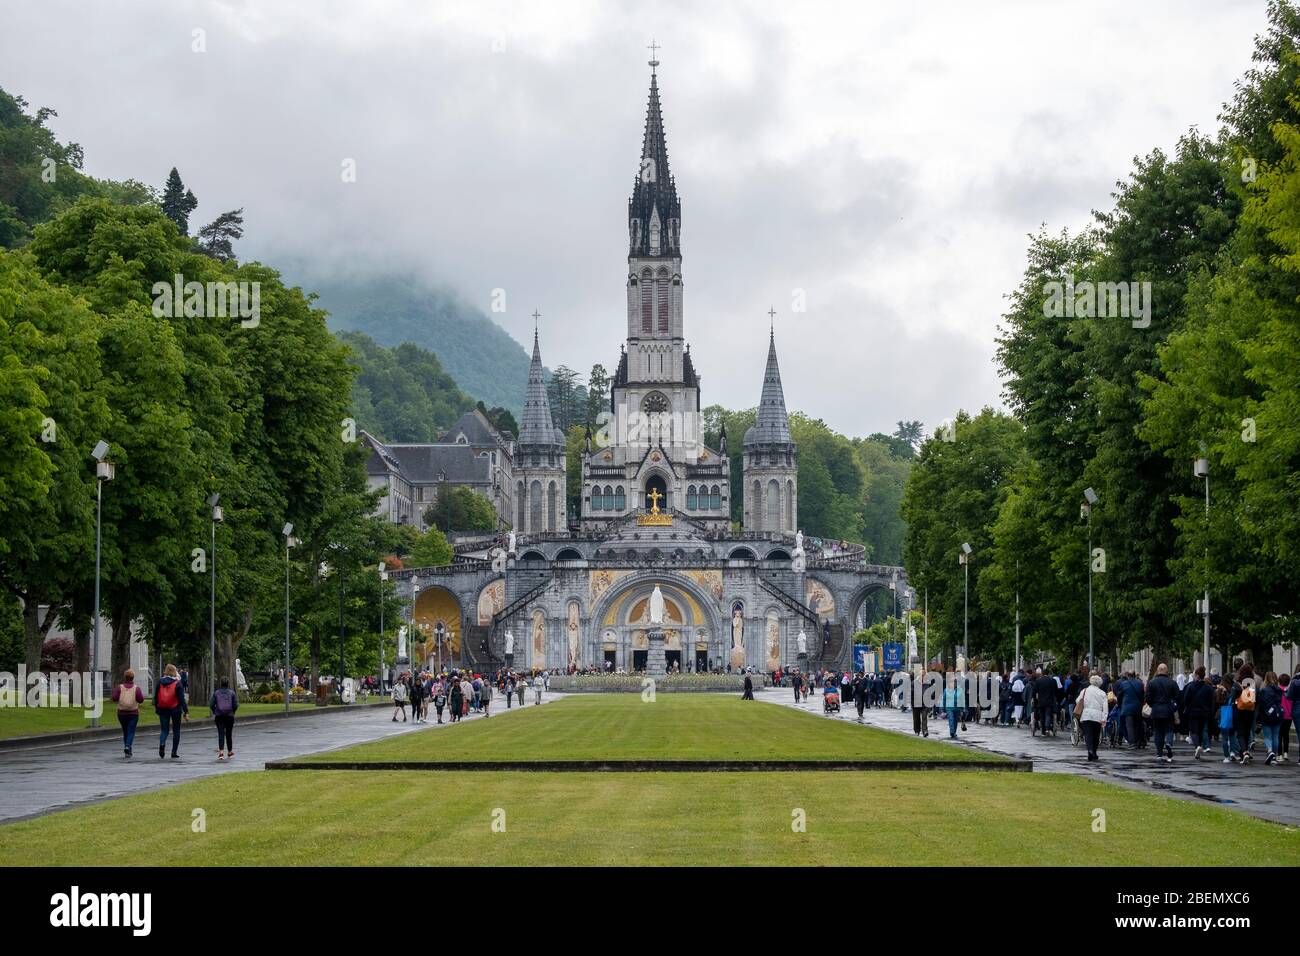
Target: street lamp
[103, 473]
[964, 560]
[1089, 499]
[343, 583]
[289, 542]
[383, 577]
[217, 516]
[1202, 470]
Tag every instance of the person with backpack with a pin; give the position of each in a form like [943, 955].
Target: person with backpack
[1269, 708]
[485, 697]
[438, 695]
[223, 705]
[1242, 699]
[170, 705]
[128, 698]
[399, 698]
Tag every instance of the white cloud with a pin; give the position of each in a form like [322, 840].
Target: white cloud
[889, 159]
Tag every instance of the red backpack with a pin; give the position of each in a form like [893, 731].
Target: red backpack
[165, 699]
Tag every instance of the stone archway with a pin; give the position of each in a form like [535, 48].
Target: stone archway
[697, 608]
[433, 606]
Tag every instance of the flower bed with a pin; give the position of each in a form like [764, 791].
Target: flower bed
[598, 683]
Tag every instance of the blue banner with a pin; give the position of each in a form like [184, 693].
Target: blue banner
[893, 657]
[860, 655]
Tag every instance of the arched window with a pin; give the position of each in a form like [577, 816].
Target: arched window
[755, 506]
[552, 516]
[609, 498]
[519, 507]
[665, 299]
[535, 507]
[647, 302]
[594, 495]
[789, 505]
[715, 497]
[691, 500]
[773, 521]
[620, 499]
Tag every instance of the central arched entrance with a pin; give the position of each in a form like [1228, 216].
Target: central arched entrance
[621, 622]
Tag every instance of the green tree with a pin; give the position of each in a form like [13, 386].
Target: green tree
[430, 550]
[178, 202]
[458, 508]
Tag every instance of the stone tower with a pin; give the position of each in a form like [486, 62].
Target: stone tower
[651, 452]
[539, 460]
[770, 474]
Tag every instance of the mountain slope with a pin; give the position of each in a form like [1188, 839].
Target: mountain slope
[481, 356]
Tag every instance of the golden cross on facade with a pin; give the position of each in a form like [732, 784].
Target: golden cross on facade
[654, 497]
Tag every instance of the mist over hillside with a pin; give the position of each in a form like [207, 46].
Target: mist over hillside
[485, 361]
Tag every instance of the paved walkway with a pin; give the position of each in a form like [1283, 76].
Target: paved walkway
[1270, 793]
[39, 780]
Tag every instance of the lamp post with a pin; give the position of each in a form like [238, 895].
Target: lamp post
[217, 516]
[343, 583]
[103, 473]
[927, 628]
[289, 542]
[1018, 616]
[383, 577]
[1202, 470]
[964, 560]
[1089, 499]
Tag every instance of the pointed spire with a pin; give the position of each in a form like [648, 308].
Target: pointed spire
[654, 197]
[537, 427]
[772, 423]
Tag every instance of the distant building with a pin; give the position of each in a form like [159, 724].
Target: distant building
[470, 454]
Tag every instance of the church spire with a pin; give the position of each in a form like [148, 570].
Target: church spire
[654, 213]
[538, 427]
[772, 423]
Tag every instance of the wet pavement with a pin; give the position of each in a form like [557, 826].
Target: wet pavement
[39, 780]
[1268, 792]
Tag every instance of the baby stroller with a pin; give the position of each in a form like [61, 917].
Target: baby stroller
[831, 702]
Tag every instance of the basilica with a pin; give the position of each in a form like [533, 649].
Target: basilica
[574, 592]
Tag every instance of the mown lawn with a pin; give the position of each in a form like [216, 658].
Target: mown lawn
[25, 721]
[622, 819]
[672, 727]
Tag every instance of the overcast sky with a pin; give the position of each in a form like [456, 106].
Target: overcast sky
[889, 159]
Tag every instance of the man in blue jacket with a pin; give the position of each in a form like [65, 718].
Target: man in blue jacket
[1129, 691]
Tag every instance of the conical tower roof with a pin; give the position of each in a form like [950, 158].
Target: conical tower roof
[655, 191]
[772, 423]
[537, 426]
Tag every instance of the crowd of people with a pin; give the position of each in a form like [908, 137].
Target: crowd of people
[1236, 713]
[460, 693]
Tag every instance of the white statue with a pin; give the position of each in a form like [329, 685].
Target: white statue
[510, 542]
[657, 606]
[401, 642]
[803, 642]
[798, 540]
[239, 676]
[510, 644]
